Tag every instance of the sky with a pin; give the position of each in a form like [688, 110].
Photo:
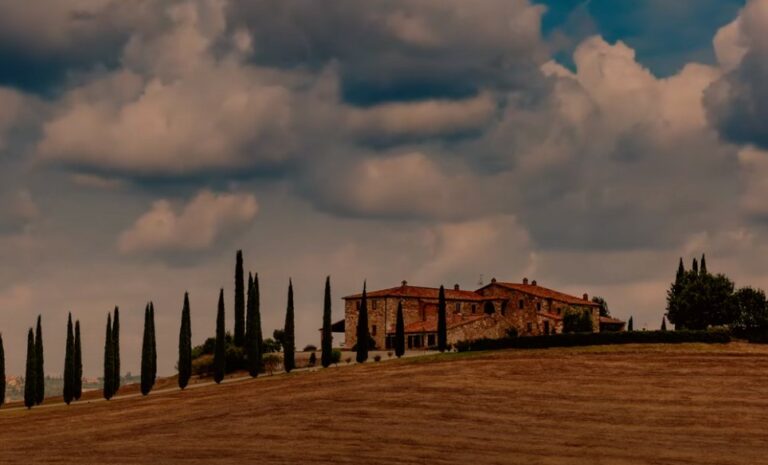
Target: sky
[584, 144]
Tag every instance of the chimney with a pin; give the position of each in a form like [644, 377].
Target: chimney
[586, 296]
[493, 280]
[455, 287]
[533, 283]
[404, 283]
[525, 281]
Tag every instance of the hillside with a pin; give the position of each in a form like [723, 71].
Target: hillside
[689, 404]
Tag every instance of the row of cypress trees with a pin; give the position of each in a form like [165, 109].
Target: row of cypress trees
[34, 377]
[112, 355]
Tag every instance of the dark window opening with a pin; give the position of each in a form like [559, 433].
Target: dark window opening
[530, 327]
[474, 308]
[520, 304]
[430, 340]
[373, 330]
[504, 307]
[538, 306]
[458, 307]
[546, 327]
[373, 305]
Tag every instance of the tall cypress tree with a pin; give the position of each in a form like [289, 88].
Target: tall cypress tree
[362, 328]
[69, 364]
[695, 267]
[116, 349]
[2, 371]
[146, 356]
[109, 361]
[289, 342]
[675, 309]
[239, 302]
[39, 370]
[663, 324]
[219, 353]
[152, 343]
[442, 325]
[30, 378]
[630, 325]
[253, 328]
[399, 331]
[185, 345]
[327, 336]
[703, 265]
[77, 387]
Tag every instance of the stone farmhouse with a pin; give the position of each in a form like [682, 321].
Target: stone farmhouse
[491, 311]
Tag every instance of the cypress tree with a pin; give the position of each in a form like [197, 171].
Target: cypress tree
[442, 326]
[69, 364]
[109, 361]
[695, 267]
[146, 356]
[77, 388]
[630, 325]
[30, 378]
[185, 345]
[2, 371]
[703, 265]
[219, 353]
[663, 323]
[362, 329]
[326, 344]
[152, 343]
[39, 370]
[116, 348]
[253, 329]
[239, 302]
[289, 342]
[399, 331]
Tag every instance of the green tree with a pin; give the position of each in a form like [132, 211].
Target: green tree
[185, 344]
[399, 331]
[109, 361]
[363, 336]
[604, 311]
[674, 297]
[239, 301]
[703, 265]
[146, 355]
[40, 370]
[326, 343]
[77, 388]
[69, 364]
[254, 344]
[30, 378]
[116, 348]
[663, 324]
[442, 325]
[2, 371]
[219, 353]
[630, 325]
[695, 267]
[152, 343]
[289, 343]
[577, 321]
[752, 313]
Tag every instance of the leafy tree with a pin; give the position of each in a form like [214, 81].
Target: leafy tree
[399, 331]
[146, 355]
[2, 371]
[40, 370]
[239, 301]
[254, 344]
[109, 361]
[30, 377]
[326, 343]
[219, 354]
[630, 325]
[604, 311]
[77, 387]
[289, 342]
[69, 364]
[270, 346]
[663, 324]
[185, 344]
[278, 336]
[577, 321]
[698, 299]
[752, 313]
[116, 348]
[363, 335]
[442, 324]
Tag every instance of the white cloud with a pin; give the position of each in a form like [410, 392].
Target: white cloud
[205, 219]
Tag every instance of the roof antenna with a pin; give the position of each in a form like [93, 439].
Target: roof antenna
[480, 281]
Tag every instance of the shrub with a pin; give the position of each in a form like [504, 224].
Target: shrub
[714, 336]
[312, 360]
[271, 362]
[309, 348]
[512, 332]
[234, 356]
[203, 365]
[389, 354]
[377, 358]
[348, 359]
[336, 356]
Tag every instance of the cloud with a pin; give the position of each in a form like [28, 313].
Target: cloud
[207, 218]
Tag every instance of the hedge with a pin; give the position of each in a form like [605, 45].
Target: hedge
[716, 336]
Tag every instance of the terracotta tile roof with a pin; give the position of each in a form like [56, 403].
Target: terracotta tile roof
[609, 320]
[545, 293]
[430, 325]
[421, 292]
[551, 316]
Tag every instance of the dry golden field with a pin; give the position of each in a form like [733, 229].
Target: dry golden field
[659, 404]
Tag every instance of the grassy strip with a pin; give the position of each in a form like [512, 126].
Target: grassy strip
[716, 336]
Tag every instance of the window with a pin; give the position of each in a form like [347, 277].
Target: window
[546, 327]
[538, 306]
[373, 304]
[474, 308]
[430, 340]
[373, 330]
[504, 307]
[520, 304]
[458, 307]
[530, 327]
